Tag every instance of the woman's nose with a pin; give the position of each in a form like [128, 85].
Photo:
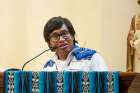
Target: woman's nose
[61, 38]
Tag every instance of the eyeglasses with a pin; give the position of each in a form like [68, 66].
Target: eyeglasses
[56, 36]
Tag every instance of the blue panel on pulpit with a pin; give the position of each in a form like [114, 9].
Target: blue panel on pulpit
[61, 82]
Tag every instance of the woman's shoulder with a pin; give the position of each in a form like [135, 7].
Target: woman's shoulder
[83, 53]
[49, 63]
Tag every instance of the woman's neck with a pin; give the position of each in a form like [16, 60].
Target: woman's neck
[62, 55]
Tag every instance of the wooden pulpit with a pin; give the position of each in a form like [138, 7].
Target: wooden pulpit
[1, 82]
[129, 82]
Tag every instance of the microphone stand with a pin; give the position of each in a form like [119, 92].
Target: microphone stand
[34, 58]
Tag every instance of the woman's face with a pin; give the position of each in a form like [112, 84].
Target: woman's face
[61, 39]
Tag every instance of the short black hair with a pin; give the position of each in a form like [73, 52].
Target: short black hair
[56, 23]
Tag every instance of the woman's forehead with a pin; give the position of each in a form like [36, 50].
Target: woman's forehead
[63, 28]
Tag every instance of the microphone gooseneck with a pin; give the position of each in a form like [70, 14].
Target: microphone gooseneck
[35, 57]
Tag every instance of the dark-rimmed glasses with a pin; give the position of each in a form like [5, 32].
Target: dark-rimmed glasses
[56, 36]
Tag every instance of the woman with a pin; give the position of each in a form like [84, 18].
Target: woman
[60, 37]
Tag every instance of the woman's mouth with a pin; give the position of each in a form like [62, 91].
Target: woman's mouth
[63, 46]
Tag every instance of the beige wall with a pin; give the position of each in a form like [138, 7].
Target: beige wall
[117, 15]
[100, 24]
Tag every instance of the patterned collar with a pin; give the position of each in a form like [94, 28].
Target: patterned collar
[77, 52]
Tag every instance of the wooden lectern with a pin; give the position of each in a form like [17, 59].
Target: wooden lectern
[128, 82]
[1, 82]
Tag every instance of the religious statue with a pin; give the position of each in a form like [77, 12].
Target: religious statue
[133, 45]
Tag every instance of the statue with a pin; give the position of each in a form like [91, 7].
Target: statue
[133, 45]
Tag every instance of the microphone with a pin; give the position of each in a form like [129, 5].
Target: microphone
[51, 48]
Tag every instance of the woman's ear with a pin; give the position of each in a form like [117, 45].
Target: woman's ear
[50, 46]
